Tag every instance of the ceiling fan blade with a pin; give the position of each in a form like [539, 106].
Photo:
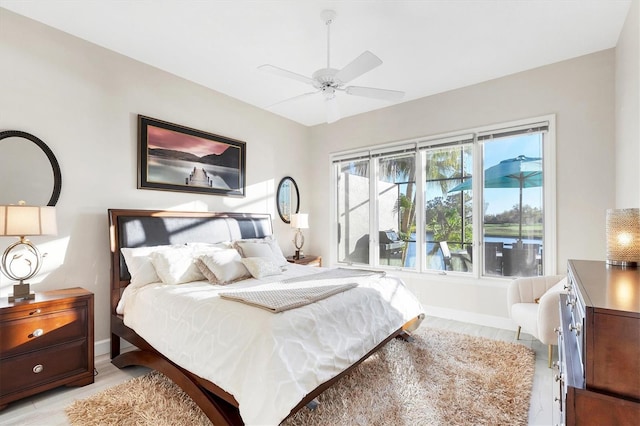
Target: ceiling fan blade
[292, 99]
[360, 65]
[370, 92]
[284, 73]
[331, 107]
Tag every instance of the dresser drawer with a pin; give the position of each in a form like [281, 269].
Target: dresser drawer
[35, 369]
[40, 331]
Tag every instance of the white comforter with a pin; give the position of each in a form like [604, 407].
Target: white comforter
[267, 361]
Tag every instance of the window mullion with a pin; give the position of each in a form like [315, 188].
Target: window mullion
[373, 213]
[420, 220]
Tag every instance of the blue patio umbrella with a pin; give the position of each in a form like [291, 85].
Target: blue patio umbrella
[520, 172]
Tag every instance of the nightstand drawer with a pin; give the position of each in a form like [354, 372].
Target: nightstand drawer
[23, 335]
[45, 366]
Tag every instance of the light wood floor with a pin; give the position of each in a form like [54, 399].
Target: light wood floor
[47, 409]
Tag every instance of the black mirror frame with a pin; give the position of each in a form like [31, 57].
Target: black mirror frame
[295, 185]
[57, 175]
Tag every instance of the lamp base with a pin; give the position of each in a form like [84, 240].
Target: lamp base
[21, 292]
[622, 264]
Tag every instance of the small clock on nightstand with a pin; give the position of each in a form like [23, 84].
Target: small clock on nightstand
[308, 260]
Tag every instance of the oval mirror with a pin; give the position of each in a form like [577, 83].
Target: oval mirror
[28, 170]
[287, 198]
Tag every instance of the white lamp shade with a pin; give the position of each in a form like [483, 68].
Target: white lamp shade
[22, 220]
[300, 220]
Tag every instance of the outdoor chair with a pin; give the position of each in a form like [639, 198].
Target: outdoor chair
[521, 261]
[533, 304]
[492, 259]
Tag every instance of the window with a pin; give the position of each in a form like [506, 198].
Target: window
[499, 225]
[448, 210]
[353, 209]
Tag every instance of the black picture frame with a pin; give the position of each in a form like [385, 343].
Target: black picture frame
[172, 157]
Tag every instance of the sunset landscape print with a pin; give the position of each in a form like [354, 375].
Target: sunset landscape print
[178, 158]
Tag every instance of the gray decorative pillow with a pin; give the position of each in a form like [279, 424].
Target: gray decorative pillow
[222, 267]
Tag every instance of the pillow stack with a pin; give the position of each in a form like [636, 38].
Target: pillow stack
[220, 264]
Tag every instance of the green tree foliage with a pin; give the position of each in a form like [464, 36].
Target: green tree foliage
[530, 215]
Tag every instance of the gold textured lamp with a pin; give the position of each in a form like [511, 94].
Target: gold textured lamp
[299, 221]
[22, 260]
[623, 237]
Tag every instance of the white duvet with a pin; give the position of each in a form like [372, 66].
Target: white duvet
[268, 362]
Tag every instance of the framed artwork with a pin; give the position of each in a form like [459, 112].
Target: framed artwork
[177, 158]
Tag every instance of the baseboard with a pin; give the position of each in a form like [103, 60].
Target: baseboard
[103, 347]
[470, 317]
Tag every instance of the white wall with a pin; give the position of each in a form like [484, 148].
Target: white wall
[581, 94]
[628, 111]
[83, 101]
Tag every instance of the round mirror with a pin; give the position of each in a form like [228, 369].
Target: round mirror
[287, 199]
[28, 170]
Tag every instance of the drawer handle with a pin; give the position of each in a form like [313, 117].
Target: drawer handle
[37, 311]
[38, 368]
[557, 377]
[571, 303]
[37, 332]
[557, 331]
[575, 328]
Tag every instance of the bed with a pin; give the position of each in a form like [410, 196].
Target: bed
[238, 362]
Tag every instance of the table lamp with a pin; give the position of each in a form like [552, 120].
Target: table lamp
[299, 221]
[22, 260]
[623, 237]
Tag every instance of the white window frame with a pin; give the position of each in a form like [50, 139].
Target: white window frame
[373, 152]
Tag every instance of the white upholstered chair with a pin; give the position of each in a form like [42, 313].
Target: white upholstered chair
[533, 305]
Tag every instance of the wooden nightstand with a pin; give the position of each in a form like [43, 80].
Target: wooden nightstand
[308, 260]
[46, 342]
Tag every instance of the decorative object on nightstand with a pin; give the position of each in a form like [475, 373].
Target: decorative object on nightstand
[308, 260]
[46, 342]
[623, 237]
[299, 221]
[20, 221]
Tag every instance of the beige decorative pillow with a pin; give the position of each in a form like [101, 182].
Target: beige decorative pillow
[223, 266]
[265, 247]
[261, 267]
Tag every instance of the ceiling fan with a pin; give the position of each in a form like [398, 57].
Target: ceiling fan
[328, 81]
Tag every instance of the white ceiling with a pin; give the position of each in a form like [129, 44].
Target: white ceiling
[426, 46]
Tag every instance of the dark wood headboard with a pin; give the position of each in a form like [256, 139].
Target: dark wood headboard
[143, 228]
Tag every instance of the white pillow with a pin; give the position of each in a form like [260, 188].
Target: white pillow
[266, 247]
[139, 263]
[261, 267]
[277, 252]
[225, 265]
[176, 266]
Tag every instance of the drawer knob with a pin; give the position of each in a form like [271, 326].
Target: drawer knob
[575, 328]
[37, 332]
[37, 311]
[38, 368]
[571, 303]
[557, 330]
[557, 377]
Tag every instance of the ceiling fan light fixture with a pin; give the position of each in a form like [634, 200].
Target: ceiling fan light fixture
[327, 80]
[328, 92]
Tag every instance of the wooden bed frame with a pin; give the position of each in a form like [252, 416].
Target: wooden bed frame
[140, 228]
